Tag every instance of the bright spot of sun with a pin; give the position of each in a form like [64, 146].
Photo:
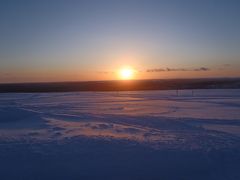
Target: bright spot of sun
[126, 73]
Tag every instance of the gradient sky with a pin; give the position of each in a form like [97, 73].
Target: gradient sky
[70, 40]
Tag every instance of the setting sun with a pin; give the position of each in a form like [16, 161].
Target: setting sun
[126, 73]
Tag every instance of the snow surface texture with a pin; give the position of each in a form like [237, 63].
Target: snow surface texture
[120, 135]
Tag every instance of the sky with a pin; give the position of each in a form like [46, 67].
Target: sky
[70, 40]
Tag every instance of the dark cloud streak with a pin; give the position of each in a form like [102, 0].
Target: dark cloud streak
[176, 69]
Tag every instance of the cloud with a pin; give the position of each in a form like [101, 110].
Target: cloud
[202, 69]
[5, 74]
[155, 70]
[176, 69]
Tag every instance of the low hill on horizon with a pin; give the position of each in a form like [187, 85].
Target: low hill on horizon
[128, 85]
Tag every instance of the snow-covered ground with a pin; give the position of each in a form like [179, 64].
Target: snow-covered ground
[120, 135]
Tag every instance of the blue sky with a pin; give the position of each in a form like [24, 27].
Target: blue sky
[75, 40]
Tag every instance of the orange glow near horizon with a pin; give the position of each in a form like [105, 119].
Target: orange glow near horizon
[114, 72]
